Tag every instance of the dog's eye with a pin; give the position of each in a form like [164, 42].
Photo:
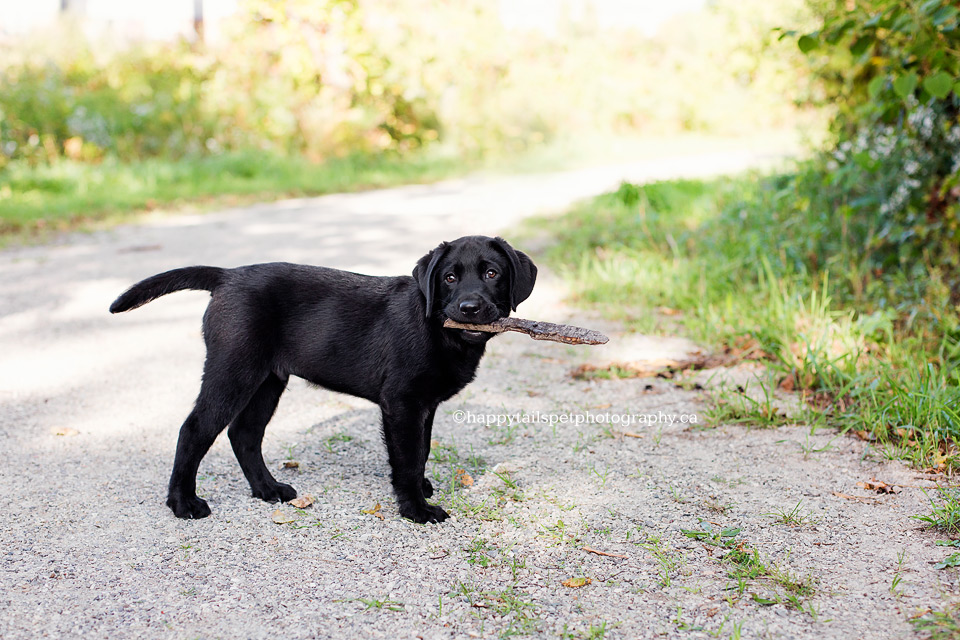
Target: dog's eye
[450, 278]
[491, 274]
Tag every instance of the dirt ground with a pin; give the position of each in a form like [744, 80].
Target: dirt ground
[581, 507]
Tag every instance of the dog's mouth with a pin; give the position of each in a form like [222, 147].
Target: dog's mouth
[474, 337]
[485, 317]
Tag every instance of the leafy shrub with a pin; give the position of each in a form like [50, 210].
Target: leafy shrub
[143, 103]
[891, 71]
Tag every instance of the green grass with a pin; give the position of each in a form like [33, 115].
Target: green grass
[793, 517]
[761, 267]
[376, 603]
[512, 607]
[939, 625]
[69, 194]
[944, 512]
[735, 406]
[745, 566]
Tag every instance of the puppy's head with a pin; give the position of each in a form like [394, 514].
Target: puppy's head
[475, 279]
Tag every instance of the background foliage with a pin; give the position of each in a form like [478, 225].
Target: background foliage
[331, 77]
[890, 69]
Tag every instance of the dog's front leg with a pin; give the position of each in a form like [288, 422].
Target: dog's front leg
[425, 451]
[404, 427]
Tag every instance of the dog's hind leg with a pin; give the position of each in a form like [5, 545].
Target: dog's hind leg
[224, 392]
[246, 436]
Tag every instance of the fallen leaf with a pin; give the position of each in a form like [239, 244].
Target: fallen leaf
[434, 444]
[879, 486]
[601, 406]
[863, 434]
[64, 431]
[787, 384]
[302, 502]
[631, 434]
[576, 583]
[375, 511]
[464, 478]
[291, 464]
[864, 499]
[603, 553]
[282, 518]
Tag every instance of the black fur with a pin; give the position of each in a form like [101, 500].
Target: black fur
[379, 338]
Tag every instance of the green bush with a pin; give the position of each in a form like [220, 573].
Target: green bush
[890, 70]
[138, 104]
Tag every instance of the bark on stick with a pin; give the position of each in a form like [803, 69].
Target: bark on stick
[537, 330]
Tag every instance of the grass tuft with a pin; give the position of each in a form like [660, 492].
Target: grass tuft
[762, 268]
[68, 194]
[944, 512]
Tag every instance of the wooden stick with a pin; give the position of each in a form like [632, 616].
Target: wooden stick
[537, 330]
[603, 553]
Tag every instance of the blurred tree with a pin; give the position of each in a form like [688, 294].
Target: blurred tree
[75, 7]
[198, 19]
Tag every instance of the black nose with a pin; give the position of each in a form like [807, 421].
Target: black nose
[469, 308]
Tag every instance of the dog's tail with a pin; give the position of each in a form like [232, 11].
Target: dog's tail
[197, 278]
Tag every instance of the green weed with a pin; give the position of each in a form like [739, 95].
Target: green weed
[330, 441]
[944, 511]
[510, 605]
[384, 604]
[713, 535]
[666, 559]
[793, 517]
[736, 406]
[939, 625]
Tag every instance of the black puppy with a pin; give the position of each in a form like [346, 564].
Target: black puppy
[379, 338]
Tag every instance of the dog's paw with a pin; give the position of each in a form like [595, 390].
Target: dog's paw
[427, 488]
[275, 492]
[188, 507]
[424, 513]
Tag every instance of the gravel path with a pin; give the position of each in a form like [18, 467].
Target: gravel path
[90, 406]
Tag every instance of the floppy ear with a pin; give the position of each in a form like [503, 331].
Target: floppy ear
[523, 273]
[423, 273]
